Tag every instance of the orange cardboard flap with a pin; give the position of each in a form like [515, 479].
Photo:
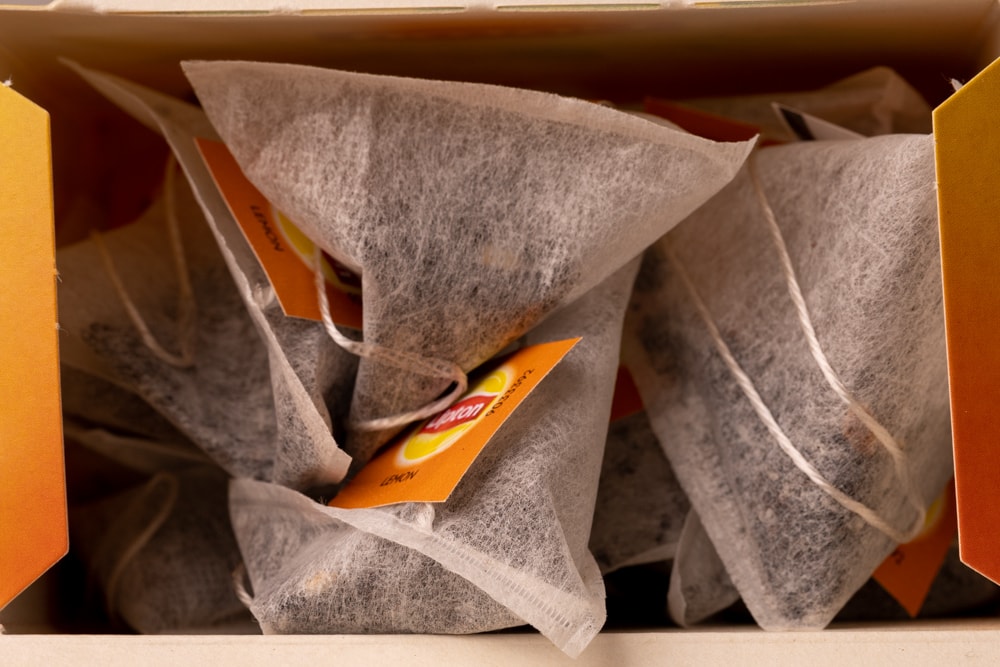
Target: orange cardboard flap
[33, 529]
[967, 144]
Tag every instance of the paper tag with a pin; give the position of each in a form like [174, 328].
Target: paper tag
[626, 401]
[285, 253]
[702, 123]
[706, 124]
[967, 143]
[909, 571]
[811, 128]
[33, 527]
[427, 462]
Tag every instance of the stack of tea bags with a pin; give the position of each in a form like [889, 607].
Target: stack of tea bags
[786, 340]
[472, 213]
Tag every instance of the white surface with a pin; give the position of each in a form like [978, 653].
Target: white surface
[952, 643]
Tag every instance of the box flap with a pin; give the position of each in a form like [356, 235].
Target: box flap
[967, 141]
[33, 528]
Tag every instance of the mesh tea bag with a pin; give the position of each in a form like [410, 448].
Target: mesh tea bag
[876, 101]
[169, 324]
[94, 400]
[791, 358]
[699, 584]
[311, 378]
[508, 547]
[164, 553]
[470, 211]
[640, 506]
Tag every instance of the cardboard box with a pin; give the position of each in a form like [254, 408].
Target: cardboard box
[613, 50]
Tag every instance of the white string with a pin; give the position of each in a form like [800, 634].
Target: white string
[866, 513]
[186, 324]
[144, 536]
[881, 434]
[415, 363]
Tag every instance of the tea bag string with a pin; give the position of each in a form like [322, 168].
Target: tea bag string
[186, 307]
[139, 542]
[881, 434]
[416, 363]
[870, 516]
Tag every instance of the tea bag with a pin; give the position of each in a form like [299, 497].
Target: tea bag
[699, 584]
[873, 102]
[96, 401]
[219, 396]
[640, 505]
[470, 211]
[508, 547]
[791, 358]
[164, 553]
[310, 377]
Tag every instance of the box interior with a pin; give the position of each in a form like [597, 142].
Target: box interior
[105, 163]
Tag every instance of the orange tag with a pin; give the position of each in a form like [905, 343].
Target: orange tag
[907, 574]
[427, 462]
[33, 528]
[285, 253]
[967, 143]
[702, 123]
[626, 401]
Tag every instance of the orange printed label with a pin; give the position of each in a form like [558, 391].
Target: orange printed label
[427, 462]
[33, 526]
[909, 571]
[285, 253]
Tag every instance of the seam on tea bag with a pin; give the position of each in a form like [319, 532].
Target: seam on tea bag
[143, 538]
[764, 414]
[415, 363]
[881, 434]
[240, 587]
[186, 324]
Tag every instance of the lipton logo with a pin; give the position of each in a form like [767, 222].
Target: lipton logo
[464, 411]
[444, 429]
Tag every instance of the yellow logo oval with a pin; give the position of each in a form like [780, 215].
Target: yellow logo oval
[443, 429]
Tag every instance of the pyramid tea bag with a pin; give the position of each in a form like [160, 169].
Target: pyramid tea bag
[164, 553]
[876, 101]
[508, 547]
[220, 396]
[470, 211]
[699, 584]
[310, 377]
[640, 506]
[790, 353]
